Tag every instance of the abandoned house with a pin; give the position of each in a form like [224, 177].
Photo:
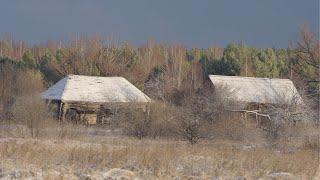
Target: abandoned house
[257, 91]
[90, 99]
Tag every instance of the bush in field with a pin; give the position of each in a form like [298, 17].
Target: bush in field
[161, 120]
[31, 112]
[138, 124]
[16, 81]
[151, 120]
[189, 116]
[189, 126]
[189, 119]
[20, 103]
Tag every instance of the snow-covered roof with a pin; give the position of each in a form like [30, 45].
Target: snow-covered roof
[258, 90]
[93, 89]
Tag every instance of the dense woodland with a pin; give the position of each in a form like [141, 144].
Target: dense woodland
[169, 73]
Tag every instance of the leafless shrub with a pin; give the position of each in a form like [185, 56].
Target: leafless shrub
[163, 124]
[200, 113]
[19, 98]
[32, 112]
[189, 127]
[16, 82]
[162, 120]
[150, 120]
[137, 124]
[7, 77]
[278, 118]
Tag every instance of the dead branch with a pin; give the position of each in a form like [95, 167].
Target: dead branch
[253, 112]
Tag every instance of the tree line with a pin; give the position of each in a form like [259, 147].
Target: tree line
[165, 71]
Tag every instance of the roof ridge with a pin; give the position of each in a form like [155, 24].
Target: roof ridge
[247, 77]
[70, 75]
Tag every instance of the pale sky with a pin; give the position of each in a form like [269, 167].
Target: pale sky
[194, 23]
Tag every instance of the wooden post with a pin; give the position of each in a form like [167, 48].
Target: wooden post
[48, 102]
[64, 111]
[245, 119]
[60, 111]
[245, 116]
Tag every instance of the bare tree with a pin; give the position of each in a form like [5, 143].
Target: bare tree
[307, 48]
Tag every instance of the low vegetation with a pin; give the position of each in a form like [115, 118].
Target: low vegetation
[153, 146]
[90, 152]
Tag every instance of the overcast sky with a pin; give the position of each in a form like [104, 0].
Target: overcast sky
[194, 23]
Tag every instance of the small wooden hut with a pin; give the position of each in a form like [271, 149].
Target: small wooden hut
[86, 98]
[254, 95]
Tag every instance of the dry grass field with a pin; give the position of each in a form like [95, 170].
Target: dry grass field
[77, 152]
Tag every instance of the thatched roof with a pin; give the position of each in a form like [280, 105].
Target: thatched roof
[93, 89]
[258, 90]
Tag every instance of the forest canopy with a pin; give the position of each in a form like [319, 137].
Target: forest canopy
[174, 68]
